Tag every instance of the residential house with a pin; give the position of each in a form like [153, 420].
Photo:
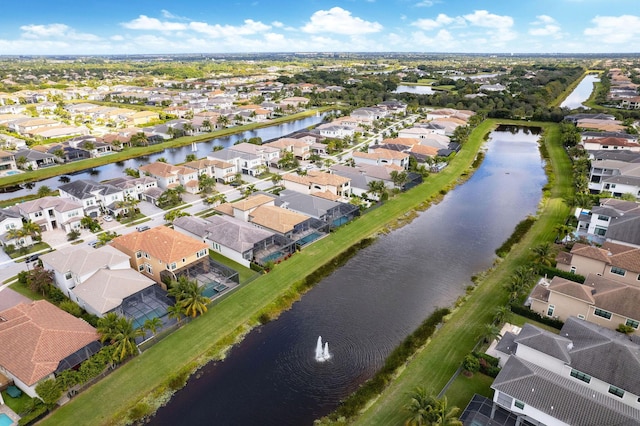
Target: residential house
[599, 300]
[369, 114]
[235, 239]
[96, 198]
[247, 158]
[10, 220]
[161, 252]
[300, 149]
[330, 130]
[170, 176]
[615, 176]
[26, 126]
[134, 187]
[610, 143]
[614, 261]
[332, 212]
[382, 156]
[29, 159]
[319, 183]
[37, 341]
[294, 102]
[7, 163]
[142, 117]
[98, 280]
[51, 213]
[601, 125]
[585, 136]
[622, 216]
[586, 375]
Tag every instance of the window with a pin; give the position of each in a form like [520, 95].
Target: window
[574, 269]
[184, 260]
[618, 271]
[37, 214]
[68, 276]
[602, 313]
[141, 268]
[519, 404]
[203, 252]
[600, 231]
[581, 317]
[146, 255]
[632, 323]
[504, 400]
[580, 375]
[550, 310]
[603, 218]
[138, 254]
[616, 391]
[149, 268]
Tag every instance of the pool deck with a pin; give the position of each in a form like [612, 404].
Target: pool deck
[9, 412]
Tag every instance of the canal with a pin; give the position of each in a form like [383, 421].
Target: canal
[172, 155]
[581, 93]
[365, 309]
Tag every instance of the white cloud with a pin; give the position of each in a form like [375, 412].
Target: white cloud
[144, 22]
[614, 29]
[55, 31]
[424, 3]
[117, 37]
[277, 24]
[545, 26]
[482, 18]
[440, 21]
[339, 21]
[250, 27]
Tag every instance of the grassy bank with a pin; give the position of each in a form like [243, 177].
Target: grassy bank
[134, 152]
[439, 359]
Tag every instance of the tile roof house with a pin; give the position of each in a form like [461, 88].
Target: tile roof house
[9, 220]
[600, 300]
[51, 213]
[382, 156]
[586, 375]
[35, 340]
[610, 143]
[170, 176]
[595, 223]
[95, 197]
[300, 149]
[160, 249]
[332, 212]
[316, 181]
[234, 238]
[614, 261]
[98, 280]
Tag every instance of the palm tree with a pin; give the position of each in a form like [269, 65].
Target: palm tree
[545, 254]
[31, 228]
[502, 314]
[447, 416]
[44, 191]
[176, 311]
[490, 332]
[107, 326]
[223, 120]
[124, 339]
[152, 324]
[206, 124]
[421, 408]
[249, 189]
[194, 302]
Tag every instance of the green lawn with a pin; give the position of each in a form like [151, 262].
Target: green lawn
[244, 273]
[199, 341]
[440, 358]
[463, 388]
[18, 405]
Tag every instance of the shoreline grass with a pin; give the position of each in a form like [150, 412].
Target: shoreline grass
[108, 401]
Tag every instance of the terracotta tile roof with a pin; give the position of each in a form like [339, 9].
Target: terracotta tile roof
[160, 169]
[161, 243]
[276, 218]
[564, 258]
[590, 252]
[425, 150]
[402, 141]
[36, 336]
[327, 195]
[252, 202]
[224, 208]
[619, 255]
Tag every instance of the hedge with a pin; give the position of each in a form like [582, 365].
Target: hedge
[555, 272]
[528, 313]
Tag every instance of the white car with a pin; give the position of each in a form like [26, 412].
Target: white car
[107, 218]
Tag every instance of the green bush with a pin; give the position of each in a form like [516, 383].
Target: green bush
[471, 363]
[35, 414]
[521, 229]
[140, 411]
[528, 313]
[550, 272]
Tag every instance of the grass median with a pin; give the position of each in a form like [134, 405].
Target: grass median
[201, 339]
[434, 365]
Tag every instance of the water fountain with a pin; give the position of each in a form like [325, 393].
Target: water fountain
[322, 354]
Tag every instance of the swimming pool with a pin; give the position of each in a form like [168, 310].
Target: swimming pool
[9, 173]
[309, 238]
[5, 420]
[272, 257]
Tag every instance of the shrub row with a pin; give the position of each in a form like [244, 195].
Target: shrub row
[488, 364]
[528, 313]
[374, 386]
[521, 229]
[553, 272]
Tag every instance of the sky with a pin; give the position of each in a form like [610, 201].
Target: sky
[71, 27]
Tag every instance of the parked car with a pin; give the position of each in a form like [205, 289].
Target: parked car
[93, 243]
[107, 218]
[142, 228]
[33, 257]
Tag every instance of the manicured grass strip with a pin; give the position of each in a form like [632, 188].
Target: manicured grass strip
[463, 388]
[439, 359]
[194, 342]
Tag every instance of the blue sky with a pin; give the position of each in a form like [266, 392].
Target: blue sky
[475, 26]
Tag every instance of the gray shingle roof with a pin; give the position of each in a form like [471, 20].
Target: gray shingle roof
[562, 397]
[545, 342]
